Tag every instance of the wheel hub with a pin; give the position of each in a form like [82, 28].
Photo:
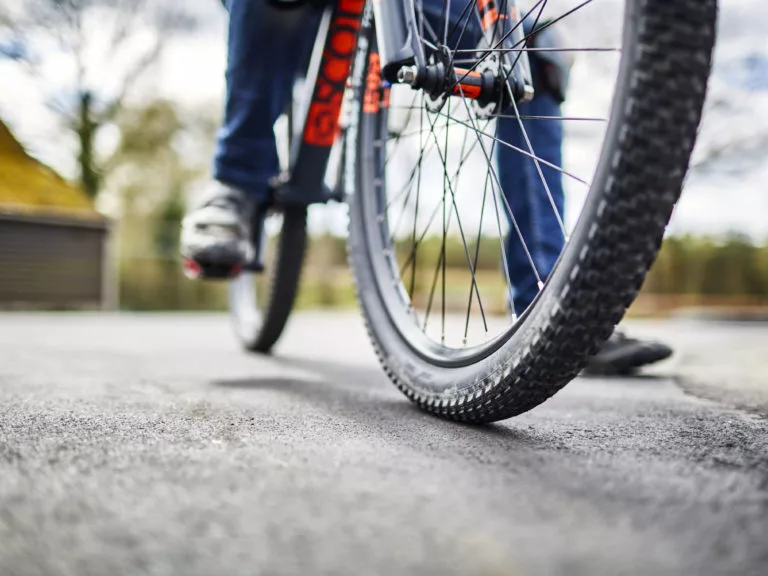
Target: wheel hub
[485, 83]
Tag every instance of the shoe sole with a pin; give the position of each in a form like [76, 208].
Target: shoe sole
[213, 263]
[627, 362]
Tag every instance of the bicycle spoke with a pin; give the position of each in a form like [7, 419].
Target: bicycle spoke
[407, 186]
[445, 228]
[464, 28]
[528, 144]
[440, 263]
[523, 152]
[477, 256]
[480, 236]
[525, 43]
[436, 209]
[531, 49]
[416, 212]
[456, 24]
[498, 183]
[415, 243]
[502, 17]
[410, 186]
[563, 118]
[423, 235]
[549, 23]
[486, 51]
[502, 242]
[540, 172]
[432, 292]
[463, 61]
[504, 257]
[401, 107]
[458, 220]
[415, 133]
[409, 183]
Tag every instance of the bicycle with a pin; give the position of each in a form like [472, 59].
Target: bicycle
[403, 85]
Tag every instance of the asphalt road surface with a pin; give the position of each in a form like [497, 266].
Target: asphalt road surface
[149, 444]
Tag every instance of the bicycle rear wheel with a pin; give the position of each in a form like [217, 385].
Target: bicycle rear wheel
[427, 204]
[261, 303]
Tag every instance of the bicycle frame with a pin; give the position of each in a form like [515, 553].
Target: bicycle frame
[334, 52]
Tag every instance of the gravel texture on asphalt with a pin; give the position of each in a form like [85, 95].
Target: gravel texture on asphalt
[150, 444]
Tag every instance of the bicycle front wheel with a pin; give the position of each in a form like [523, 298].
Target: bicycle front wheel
[439, 205]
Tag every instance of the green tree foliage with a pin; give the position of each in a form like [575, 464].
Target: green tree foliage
[162, 154]
[687, 265]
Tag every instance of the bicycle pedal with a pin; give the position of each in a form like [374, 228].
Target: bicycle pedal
[208, 271]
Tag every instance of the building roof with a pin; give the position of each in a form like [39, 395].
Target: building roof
[29, 186]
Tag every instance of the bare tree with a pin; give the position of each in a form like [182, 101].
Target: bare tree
[104, 47]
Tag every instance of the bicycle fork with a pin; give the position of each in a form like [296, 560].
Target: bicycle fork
[500, 73]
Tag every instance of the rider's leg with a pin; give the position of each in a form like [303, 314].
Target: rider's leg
[537, 209]
[266, 47]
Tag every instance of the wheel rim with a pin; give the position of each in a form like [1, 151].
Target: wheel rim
[246, 315]
[424, 319]
[249, 292]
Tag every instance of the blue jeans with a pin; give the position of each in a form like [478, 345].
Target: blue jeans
[527, 197]
[267, 47]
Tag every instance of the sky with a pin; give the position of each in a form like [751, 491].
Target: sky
[731, 198]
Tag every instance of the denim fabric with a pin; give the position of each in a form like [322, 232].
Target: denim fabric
[268, 46]
[527, 197]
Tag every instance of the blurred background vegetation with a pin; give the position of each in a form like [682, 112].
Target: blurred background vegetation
[690, 272]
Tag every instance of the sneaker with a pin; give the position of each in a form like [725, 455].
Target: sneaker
[622, 355]
[215, 240]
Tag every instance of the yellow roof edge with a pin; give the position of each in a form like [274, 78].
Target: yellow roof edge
[41, 182]
[52, 211]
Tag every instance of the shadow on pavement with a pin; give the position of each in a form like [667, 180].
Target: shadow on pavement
[365, 396]
[350, 400]
[629, 378]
